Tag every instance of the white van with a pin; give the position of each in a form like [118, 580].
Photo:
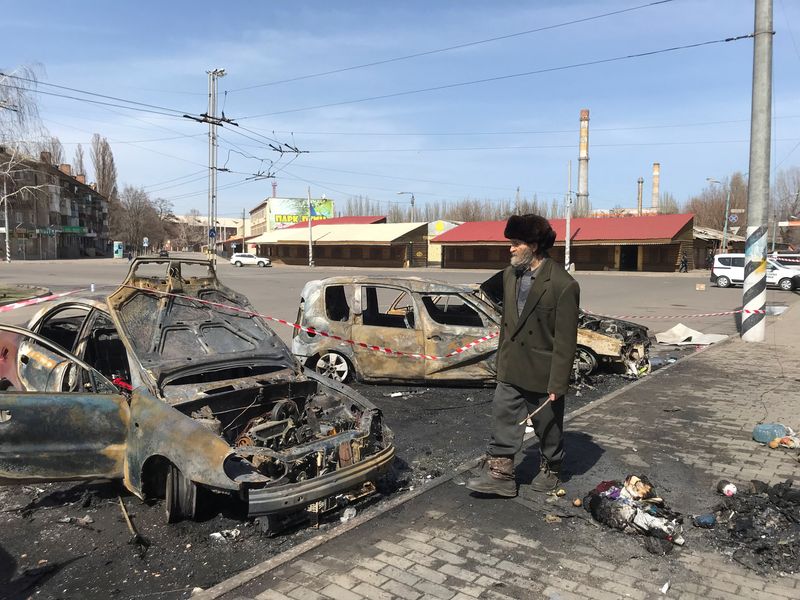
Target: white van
[728, 270]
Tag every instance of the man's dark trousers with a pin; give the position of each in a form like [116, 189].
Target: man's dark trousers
[511, 405]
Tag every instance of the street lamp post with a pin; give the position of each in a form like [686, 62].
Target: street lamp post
[727, 210]
[413, 216]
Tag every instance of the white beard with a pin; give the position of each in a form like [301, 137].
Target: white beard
[522, 258]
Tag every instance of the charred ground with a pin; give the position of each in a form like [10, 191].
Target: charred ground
[50, 549]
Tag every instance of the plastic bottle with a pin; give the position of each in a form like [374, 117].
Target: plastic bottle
[766, 432]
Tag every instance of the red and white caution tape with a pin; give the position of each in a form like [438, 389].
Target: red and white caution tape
[32, 301]
[745, 311]
[313, 331]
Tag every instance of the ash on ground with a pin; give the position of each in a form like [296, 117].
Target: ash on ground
[759, 527]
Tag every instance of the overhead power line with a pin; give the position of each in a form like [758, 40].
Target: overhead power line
[504, 77]
[88, 93]
[456, 47]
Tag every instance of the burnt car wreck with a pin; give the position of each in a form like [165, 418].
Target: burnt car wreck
[435, 319]
[174, 386]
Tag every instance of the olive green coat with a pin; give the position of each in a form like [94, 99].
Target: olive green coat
[537, 347]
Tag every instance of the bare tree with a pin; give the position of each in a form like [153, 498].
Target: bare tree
[53, 147]
[192, 231]
[667, 205]
[78, 162]
[20, 125]
[105, 171]
[786, 202]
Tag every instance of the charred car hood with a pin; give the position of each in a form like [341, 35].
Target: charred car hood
[170, 325]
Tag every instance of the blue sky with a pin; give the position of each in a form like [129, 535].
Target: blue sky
[688, 110]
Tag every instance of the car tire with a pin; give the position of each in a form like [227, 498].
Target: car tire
[237, 264]
[723, 281]
[261, 263]
[335, 366]
[786, 284]
[180, 497]
[586, 359]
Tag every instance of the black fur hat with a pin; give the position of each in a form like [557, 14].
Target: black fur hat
[531, 229]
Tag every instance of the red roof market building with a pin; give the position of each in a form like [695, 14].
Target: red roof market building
[646, 243]
[339, 221]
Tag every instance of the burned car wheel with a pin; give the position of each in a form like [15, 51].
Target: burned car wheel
[180, 499]
[335, 366]
[586, 361]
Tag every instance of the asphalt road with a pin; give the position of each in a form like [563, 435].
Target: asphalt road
[275, 291]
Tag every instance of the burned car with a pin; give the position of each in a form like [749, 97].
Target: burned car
[435, 322]
[173, 385]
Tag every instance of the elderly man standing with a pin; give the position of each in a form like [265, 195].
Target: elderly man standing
[538, 336]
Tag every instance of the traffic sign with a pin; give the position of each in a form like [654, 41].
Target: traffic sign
[212, 233]
[145, 242]
[737, 210]
[733, 218]
[735, 230]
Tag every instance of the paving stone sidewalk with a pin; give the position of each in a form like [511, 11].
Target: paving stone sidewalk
[686, 427]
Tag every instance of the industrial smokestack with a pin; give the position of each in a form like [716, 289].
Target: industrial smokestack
[582, 203]
[656, 177]
[640, 185]
[274, 189]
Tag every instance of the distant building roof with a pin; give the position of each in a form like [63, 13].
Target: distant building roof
[604, 229]
[708, 233]
[339, 221]
[378, 233]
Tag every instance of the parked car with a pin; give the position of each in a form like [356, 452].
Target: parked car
[728, 270]
[241, 259]
[175, 397]
[163, 254]
[432, 319]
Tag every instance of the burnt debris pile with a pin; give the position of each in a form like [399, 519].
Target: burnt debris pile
[761, 526]
[633, 506]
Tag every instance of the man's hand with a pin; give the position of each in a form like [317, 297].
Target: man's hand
[551, 397]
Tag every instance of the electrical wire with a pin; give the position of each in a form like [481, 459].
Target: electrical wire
[87, 93]
[456, 47]
[504, 77]
[98, 102]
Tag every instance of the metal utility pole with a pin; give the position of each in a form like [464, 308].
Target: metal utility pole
[727, 216]
[412, 202]
[243, 250]
[310, 239]
[212, 157]
[5, 216]
[568, 203]
[754, 295]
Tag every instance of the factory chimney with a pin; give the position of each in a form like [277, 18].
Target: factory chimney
[656, 177]
[640, 183]
[582, 203]
[274, 189]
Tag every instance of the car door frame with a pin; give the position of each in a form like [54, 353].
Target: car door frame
[57, 436]
[373, 362]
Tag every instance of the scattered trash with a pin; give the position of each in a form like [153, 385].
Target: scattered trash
[409, 393]
[561, 492]
[657, 361]
[66, 520]
[577, 502]
[763, 526]
[195, 591]
[394, 395]
[706, 521]
[672, 359]
[674, 409]
[766, 432]
[348, 514]
[551, 518]
[726, 488]
[665, 588]
[633, 507]
[680, 335]
[788, 441]
[225, 534]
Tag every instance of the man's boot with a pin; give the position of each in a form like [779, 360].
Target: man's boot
[497, 477]
[547, 479]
